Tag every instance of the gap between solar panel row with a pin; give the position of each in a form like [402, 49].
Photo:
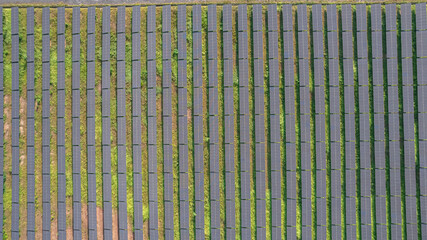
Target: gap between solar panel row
[393, 122]
[184, 214]
[30, 126]
[90, 124]
[199, 196]
[290, 115]
[15, 123]
[274, 119]
[151, 118]
[227, 34]
[421, 38]
[244, 142]
[334, 121]
[136, 123]
[349, 121]
[167, 123]
[258, 89]
[304, 122]
[364, 126]
[215, 222]
[408, 121]
[320, 116]
[46, 121]
[121, 123]
[75, 85]
[1, 122]
[60, 138]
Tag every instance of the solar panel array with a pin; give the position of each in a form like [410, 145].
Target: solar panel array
[167, 122]
[60, 125]
[184, 216]
[274, 120]
[244, 141]
[421, 52]
[151, 118]
[334, 121]
[121, 123]
[408, 121]
[90, 125]
[106, 125]
[290, 120]
[46, 120]
[313, 161]
[304, 122]
[320, 117]
[379, 120]
[75, 89]
[349, 121]
[31, 226]
[393, 121]
[364, 129]
[259, 103]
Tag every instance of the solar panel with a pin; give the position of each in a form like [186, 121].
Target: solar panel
[302, 17]
[420, 16]
[272, 17]
[242, 16]
[331, 17]
[406, 17]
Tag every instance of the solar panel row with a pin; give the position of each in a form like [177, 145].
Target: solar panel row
[167, 121]
[75, 85]
[15, 123]
[379, 137]
[46, 121]
[393, 101]
[319, 78]
[106, 123]
[274, 103]
[121, 124]
[289, 85]
[244, 121]
[421, 26]
[151, 117]
[61, 208]
[408, 119]
[182, 123]
[365, 172]
[136, 118]
[304, 119]
[259, 117]
[30, 123]
[230, 210]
